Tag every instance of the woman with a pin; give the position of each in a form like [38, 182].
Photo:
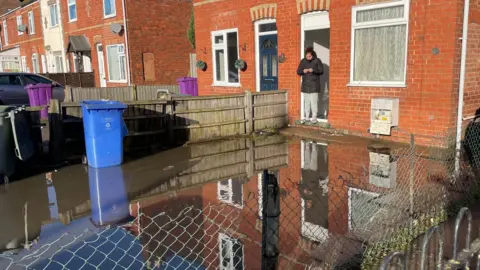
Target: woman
[310, 68]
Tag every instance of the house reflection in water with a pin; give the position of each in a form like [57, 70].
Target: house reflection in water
[329, 202]
[253, 204]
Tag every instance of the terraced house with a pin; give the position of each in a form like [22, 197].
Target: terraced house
[391, 67]
[123, 42]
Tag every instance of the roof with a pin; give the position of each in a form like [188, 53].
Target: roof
[7, 6]
[78, 44]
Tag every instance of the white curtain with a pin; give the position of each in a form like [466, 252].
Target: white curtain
[380, 51]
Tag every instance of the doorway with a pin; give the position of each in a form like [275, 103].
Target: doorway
[266, 51]
[316, 33]
[101, 66]
[313, 189]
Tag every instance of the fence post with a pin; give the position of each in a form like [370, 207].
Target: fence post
[134, 92]
[248, 112]
[286, 104]
[55, 127]
[250, 158]
[80, 79]
[171, 121]
[412, 177]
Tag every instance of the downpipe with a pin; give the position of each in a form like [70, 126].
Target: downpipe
[461, 90]
[127, 48]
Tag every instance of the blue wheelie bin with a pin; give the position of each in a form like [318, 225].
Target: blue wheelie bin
[104, 132]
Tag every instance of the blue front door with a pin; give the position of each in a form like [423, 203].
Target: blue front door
[268, 63]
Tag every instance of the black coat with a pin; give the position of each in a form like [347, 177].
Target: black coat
[311, 81]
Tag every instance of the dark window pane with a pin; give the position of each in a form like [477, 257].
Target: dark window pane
[232, 54]
[35, 79]
[268, 27]
[4, 80]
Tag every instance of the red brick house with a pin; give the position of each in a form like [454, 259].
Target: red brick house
[406, 50]
[22, 38]
[123, 42]
[138, 43]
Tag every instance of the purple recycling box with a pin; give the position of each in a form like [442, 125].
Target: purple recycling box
[38, 95]
[188, 86]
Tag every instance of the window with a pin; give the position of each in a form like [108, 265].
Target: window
[24, 64]
[54, 15]
[5, 32]
[10, 80]
[225, 53]
[231, 253]
[230, 192]
[116, 63]
[109, 8]
[363, 210]
[379, 44]
[31, 23]
[35, 63]
[19, 22]
[72, 10]
[57, 56]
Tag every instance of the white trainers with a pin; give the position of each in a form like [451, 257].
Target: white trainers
[313, 120]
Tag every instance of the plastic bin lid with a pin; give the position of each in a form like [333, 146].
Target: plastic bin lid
[183, 79]
[103, 105]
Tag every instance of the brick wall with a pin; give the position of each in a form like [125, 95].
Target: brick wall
[92, 24]
[159, 28]
[472, 76]
[427, 104]
[28, 43]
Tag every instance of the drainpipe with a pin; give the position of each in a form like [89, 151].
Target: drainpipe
[127, 50]
[461, 89]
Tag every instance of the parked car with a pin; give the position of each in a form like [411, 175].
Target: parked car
[12, 87]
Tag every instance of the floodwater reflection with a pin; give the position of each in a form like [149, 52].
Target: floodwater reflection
[268, 203]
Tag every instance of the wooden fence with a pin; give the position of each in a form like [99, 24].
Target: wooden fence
[79, 79]
[176, 120]
[125, 93]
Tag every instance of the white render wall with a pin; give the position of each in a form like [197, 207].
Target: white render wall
[52, 36]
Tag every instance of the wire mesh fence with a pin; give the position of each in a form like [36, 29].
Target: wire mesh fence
[319, 215]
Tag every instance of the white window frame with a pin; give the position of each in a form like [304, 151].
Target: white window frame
[224, 48]
[57, 18]
[58, 69]
[379, 23]
[76, 11]
[119, 56]
[356, 190]
[309, 230]
[114, 9]
[23, 61]
[229, 190]
[31, 23]
[37, 65]
[19, 22]
[231, 240]
[5, 32]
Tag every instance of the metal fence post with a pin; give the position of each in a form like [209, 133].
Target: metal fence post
[389, 259]
[426, 240]
[412, 178]
[270, 221]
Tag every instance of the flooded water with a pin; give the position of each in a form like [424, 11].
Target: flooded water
[268, 203]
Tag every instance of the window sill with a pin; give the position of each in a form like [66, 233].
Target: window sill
[72, 21]
[55, 26]
[109, 16]
[379, 85]
[125, 81]
[237, 85]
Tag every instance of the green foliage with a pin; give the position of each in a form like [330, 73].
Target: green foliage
[191, 31]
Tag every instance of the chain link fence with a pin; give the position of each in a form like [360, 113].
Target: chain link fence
[324, 216]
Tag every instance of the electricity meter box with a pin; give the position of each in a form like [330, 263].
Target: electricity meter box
[384, 115]
[383, 170]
